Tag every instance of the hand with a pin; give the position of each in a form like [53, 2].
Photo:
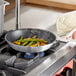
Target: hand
[74, 35]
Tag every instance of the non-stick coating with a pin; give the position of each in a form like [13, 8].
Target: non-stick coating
[25, 33]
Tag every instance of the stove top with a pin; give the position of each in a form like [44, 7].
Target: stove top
[14, 63]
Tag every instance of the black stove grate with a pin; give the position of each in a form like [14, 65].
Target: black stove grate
[18, 61]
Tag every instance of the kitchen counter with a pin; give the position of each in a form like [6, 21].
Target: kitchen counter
[34, 17]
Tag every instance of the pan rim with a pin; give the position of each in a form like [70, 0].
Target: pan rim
[29, 46]
[25, 46]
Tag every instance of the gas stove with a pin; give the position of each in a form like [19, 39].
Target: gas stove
[15, 63]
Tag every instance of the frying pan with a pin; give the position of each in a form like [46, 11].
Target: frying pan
[26, 33]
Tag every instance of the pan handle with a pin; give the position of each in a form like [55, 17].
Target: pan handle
[55, 44]
[62, 41]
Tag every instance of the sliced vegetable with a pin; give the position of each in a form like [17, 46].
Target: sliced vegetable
[16, 42]
[32, 42]
[25, 43]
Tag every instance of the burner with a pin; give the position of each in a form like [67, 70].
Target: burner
[29, 55]
[32, 55]
[45, 53]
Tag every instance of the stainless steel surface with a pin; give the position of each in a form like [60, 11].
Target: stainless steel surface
[1, 16]
[2, 12]
[1, 2]
[17, 13]
[5, 4]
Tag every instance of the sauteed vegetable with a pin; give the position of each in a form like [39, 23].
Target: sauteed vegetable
[32, 42]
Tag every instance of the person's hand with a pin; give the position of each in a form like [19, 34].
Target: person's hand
[74, 35]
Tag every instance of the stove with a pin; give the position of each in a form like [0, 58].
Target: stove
[15, 63]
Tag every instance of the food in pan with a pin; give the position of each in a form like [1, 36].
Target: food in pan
[32, 42]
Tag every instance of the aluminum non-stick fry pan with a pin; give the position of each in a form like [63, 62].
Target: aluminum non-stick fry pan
[26, 33]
